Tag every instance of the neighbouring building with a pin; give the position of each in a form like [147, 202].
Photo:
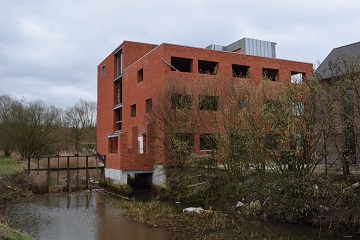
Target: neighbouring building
[339, 74]
[134, 74]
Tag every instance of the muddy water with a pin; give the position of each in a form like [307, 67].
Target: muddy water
[77, 216]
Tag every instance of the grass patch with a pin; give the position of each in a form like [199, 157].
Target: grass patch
[8, 233]
[10, 166]
[203, 226]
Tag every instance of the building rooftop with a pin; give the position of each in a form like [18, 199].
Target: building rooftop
[340, 59]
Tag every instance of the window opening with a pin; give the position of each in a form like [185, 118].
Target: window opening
[181, 64]
[113, 144]
[118, 85]
[118, 121]
[209, 103]
[103, 71]
[297, 77]
[140, 75]
[181, 140]
[207, 67]
[148, 105]
[181, 101]
[208, 141]
[241, 103]
[118, 64]
[240, 71]
[270, 74]
[298, 108]
[133, 110]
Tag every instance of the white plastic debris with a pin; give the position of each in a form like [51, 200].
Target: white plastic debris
[193, 210]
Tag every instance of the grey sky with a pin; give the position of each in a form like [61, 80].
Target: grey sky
[49, 49]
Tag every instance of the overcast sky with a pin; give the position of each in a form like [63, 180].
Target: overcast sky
[50, 49]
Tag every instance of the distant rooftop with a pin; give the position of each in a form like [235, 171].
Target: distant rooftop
[339, 59]
[248, 46]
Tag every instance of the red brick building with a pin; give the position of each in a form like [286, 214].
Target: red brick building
[133, 75]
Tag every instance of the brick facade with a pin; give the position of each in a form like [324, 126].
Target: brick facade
[144, 74]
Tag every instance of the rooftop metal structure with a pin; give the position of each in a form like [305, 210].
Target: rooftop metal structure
[248, 46]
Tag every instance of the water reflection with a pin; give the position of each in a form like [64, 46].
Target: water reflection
[77, 216]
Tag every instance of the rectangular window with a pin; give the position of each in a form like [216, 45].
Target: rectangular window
[297, 77]
[148, 105]
[181, 64]
[181, 101]
[240, 71]
[118, 119]
[298, 108]
[209, 103]
[140, 75]
[118, 63]
[133, 110]
[208, 141]
[103, 71]
[113, 145]
[208, 67]
[270, 74]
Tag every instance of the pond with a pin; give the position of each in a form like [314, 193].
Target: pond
[77, 216]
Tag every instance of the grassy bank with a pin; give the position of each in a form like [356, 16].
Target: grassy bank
[204, 226]
[13, 185]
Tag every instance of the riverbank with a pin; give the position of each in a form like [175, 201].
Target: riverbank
[13, 185]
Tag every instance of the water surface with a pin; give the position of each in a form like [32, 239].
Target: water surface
[77, 216]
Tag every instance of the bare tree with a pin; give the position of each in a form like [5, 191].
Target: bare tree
[81, 122]
[6, 106]
[32, 128]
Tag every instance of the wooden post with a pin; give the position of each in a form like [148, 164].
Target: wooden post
[77, 171]
[87, 172]
[38, 166]
[48, 174]
[58, 172]
[68, 174]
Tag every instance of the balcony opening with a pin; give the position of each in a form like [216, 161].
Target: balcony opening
[181, 64]
[240, 71]
[208, 103]
[270, 74]
[133, 110]
[297, 77]
[181, 101]
[208, 67]
[140, 75]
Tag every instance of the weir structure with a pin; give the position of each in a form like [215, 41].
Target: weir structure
[68, 171]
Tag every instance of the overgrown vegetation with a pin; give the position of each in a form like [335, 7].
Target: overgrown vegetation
[192, 226]
[13, 185]
[230, 140]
